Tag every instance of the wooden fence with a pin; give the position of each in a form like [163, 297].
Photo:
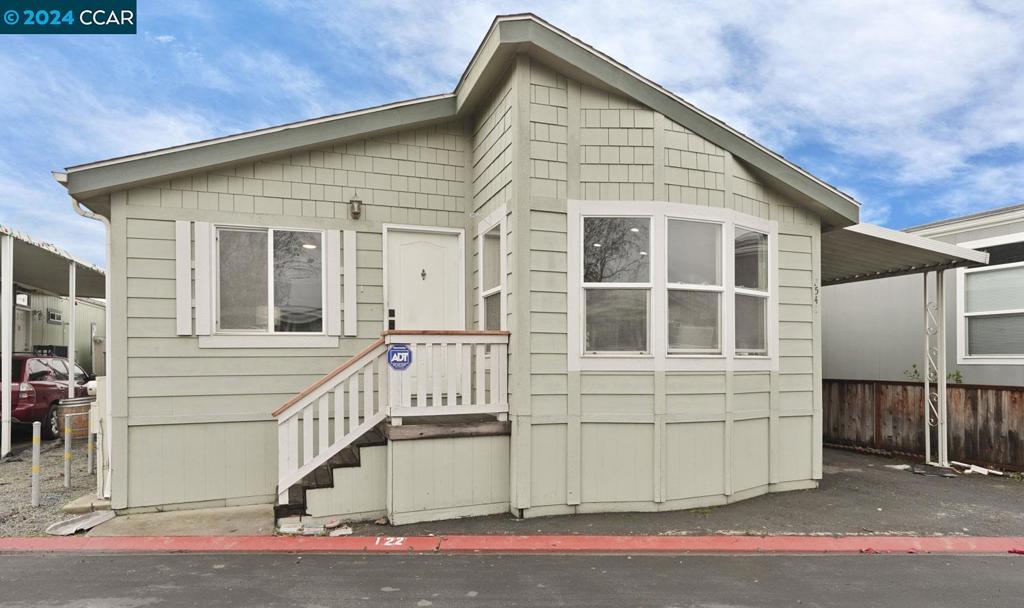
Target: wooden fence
[986, 423]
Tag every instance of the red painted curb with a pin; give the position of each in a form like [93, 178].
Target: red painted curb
[517, 544]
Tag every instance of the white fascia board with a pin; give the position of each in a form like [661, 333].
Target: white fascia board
[920, 242]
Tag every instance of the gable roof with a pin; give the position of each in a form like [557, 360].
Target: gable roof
[508, 35]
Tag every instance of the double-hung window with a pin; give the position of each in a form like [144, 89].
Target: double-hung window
[750, 253]
[491, 278]
[695, 287]
[990, 300]
[270, 281]
[616, 284]
[490, 286]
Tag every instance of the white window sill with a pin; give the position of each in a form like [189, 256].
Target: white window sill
[991, 360]
[672, 363]
[268, 341]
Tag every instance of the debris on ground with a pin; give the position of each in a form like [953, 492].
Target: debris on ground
[290, 528]
[342, 531]
[383, 521]
[80, 523]
[973, 468]
[899, 467]
[930, 471]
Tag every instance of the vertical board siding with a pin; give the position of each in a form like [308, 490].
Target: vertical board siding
[439, 474]
[986, 423]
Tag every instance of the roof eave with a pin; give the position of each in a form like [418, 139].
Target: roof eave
[87, 181]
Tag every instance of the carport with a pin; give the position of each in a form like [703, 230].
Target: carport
[866, 252]
[42, 267]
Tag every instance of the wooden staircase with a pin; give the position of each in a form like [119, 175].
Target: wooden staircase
[452, 373]
[323, 475]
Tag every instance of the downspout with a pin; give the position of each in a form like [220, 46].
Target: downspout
[62, 179]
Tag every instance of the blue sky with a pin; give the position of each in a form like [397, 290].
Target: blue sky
[916, 108]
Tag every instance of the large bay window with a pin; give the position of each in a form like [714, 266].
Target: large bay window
[269, 281]
[661, 281]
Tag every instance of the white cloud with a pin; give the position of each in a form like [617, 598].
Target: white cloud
[45, 213]
[918, 89]
[164, 38]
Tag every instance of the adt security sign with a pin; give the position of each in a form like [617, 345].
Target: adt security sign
[399, 356]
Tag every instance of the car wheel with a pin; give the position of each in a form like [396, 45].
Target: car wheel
[51, 428]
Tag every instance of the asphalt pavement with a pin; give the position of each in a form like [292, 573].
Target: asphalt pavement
[124, 581]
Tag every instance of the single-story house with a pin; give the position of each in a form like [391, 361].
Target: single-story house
[38, 283]
[559, 288]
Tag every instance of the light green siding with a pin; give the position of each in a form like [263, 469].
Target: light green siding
[445, 478]
[201, 416]
[652, 440]
[359, 492]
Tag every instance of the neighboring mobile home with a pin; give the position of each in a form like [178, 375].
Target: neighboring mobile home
[984, 311]
[558, 289]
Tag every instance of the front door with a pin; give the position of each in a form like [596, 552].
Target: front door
[424, 279]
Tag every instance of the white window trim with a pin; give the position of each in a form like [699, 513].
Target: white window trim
[658, 358]
[498, 218]
[962, 357]
[219, 338]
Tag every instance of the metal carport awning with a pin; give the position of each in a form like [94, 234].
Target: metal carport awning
[864, 252]
[26, 261]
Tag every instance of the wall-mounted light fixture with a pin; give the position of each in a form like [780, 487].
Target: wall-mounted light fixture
[355, 207]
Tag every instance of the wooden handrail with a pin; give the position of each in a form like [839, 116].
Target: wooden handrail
[312, 387]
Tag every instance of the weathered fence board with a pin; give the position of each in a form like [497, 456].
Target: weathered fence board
[986, 423]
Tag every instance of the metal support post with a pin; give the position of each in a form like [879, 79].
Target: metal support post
[6, 338]
[940, 298]
[72, 277]
[37, 429]
[67, 451]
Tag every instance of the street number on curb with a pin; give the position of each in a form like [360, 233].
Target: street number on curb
[390, 541]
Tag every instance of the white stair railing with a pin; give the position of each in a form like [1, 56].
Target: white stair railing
[452, 372]
[328, 416]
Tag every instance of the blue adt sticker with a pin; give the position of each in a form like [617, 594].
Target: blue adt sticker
[399, 356]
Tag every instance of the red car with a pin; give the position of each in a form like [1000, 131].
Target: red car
[37, 384]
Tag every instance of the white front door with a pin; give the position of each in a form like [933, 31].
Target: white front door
[424, 279]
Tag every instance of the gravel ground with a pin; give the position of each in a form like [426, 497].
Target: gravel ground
[17, 517]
